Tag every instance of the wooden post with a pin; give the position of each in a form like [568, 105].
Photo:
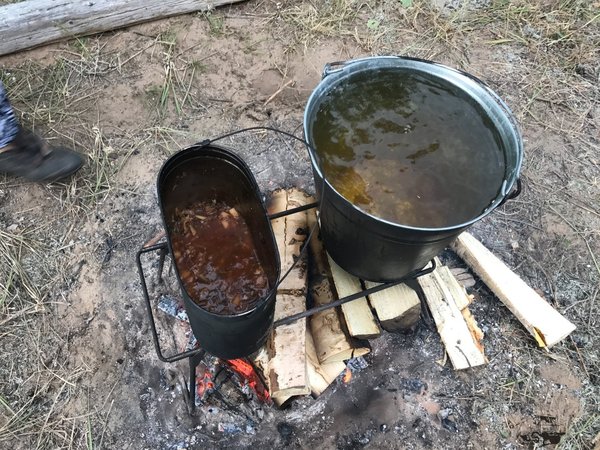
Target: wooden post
[32, 23]
[545, 324]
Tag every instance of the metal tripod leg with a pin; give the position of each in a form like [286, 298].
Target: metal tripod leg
[161, 263]
[194, 361]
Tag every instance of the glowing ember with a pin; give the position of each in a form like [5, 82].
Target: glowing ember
[204, 384]
[347, 376]
[246, 372]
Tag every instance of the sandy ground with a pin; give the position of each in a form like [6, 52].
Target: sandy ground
[79, 368]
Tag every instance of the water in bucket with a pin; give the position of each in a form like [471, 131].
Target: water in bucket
[409, 148]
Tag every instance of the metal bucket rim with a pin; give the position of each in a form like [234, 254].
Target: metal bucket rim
[203, 152]
[333, 76]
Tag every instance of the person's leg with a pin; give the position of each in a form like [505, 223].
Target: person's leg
[25, 154]
[9, 127]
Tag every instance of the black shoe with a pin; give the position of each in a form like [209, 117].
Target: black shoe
[31, 158]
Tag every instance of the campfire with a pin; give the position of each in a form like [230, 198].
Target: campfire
[211, 373]
[313, 345]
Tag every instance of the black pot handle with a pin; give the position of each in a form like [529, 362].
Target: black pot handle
[332, 67]
[163, 248]
[514, 194]
[317, 204]
[517, 191]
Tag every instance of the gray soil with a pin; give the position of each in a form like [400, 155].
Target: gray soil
[79, 368]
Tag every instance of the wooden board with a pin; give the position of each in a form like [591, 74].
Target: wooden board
[463, 276]
[287, 365]
[397, 307]
[331, 343]
[358, 316]
[32, 23]
[459, 294]
[287, 372]
[462, 300]
[545, 324]
[463, 350]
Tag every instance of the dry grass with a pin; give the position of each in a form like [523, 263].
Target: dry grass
[175, 92]
[328, 18]
[35, 383]
[16, 285]
[45, 95]
[39, 385]
[39, 389]
[94, 183]
[551, 50]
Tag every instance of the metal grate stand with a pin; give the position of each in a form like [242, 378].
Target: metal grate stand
[195, 356]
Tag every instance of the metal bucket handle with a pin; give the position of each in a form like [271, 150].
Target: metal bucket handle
[338, 66]
[317, 204]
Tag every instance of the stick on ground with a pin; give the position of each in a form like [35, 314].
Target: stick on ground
[32, 23]
[545, 324]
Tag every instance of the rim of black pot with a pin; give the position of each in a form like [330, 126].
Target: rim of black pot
[341, 71]
[182, 155]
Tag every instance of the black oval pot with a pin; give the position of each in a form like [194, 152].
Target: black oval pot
[215, 173]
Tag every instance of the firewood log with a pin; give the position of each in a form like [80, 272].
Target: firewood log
[545, 324]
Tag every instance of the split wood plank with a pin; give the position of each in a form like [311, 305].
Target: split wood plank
[545, 324]
[357, 314]
[331, 342]
[332, 345]
[397, 307]
[459, 294]
[463, 276]
[320, 376]
[462, 300]
[463, 350]
[32, 23]
[290, 234]
[287, 372]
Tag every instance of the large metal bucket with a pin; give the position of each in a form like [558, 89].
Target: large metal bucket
[380, 250]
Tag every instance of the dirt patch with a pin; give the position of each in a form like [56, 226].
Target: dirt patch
[80, 368]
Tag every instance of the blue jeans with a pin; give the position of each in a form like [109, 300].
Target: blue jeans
[9, 127]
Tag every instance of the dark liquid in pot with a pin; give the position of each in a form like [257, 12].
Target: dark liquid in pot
[409, 148]
[216, 258]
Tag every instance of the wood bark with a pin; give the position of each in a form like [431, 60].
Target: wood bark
[32, 23]
[290, 232]
[287, 373]
[545, 324]
[320, 376]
